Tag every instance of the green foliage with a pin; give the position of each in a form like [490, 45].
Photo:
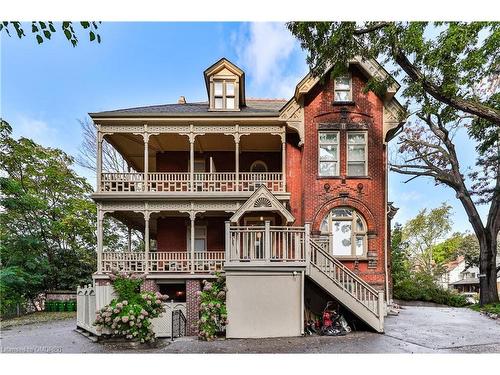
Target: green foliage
[130, 314]
[43, 31]
[492, 308]
[422, 234]
[421, 287]
[213, 319]
[47, 220]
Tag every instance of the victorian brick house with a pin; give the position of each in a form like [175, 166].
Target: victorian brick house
[287, 197]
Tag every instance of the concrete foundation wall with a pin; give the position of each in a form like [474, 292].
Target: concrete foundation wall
[264, 304]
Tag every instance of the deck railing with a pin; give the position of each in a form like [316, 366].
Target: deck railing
[266, 243]
[181, 182]
[163, 261]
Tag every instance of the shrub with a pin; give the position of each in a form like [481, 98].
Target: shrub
[130, 314]
[213, 317]
[421, 287]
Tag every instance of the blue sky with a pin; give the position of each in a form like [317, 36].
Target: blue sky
[46, 88]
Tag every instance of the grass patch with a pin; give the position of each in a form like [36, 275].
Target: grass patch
[493, 308]
[37, 317]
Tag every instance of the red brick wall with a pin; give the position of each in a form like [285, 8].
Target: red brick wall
[150, 286]
[178, 161]
[310, 201]
[192, 307]
[171, 233]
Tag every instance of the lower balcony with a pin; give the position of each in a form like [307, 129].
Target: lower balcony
[163, 261]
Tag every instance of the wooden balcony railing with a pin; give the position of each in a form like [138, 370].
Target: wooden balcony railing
[163, 261]
[266, 244]
[181, 182]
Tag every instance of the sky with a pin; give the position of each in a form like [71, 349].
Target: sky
[47, 88]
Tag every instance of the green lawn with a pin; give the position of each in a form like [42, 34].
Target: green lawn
[38, 317]
[493, 308]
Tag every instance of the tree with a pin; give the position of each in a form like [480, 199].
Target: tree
[43, 31]
[112, 161]
[47, 220]
[423, 233]
[450, 73]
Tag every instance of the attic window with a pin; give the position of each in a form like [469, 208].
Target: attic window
[343, 89]
[224, 94]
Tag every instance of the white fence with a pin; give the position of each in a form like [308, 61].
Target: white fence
[162, 326]
[86, 308]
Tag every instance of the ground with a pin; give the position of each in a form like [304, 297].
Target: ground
[416, 330]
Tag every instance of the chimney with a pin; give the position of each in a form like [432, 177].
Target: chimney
[182, 100]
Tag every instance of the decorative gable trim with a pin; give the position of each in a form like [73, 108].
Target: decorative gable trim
[262, 200]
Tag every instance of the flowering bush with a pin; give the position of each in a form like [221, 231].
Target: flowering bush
[212, 298]
[130, 314]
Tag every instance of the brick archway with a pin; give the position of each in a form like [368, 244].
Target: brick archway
[345, 202]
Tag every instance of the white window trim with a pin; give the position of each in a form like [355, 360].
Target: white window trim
[350, 88]
[188, 236]
[338, 153]
[354, 234]
[224, 80]
[365, 134]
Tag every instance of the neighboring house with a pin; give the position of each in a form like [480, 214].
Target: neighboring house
[284, 196]
[461, 277]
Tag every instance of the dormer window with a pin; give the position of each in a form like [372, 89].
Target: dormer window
[224, 94]
[225, 86]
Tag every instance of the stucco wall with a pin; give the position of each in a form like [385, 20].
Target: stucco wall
[264, 304]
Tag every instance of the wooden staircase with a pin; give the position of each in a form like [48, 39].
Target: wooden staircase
[350, 290]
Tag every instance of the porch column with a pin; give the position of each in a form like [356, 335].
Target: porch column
[99, 158]
[146, 160]
[192, 137]
[192, 216]
[283, 160]
[237, 160]
[146, 241]
[100, 218]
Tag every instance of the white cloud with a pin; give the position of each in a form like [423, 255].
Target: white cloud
[35, 129]
[268, 52]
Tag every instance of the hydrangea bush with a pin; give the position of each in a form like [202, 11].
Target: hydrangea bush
[213, 313]
[130, 314]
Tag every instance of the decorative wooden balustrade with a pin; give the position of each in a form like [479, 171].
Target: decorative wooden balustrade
[266, 243]
[179, 182]
[163, 261]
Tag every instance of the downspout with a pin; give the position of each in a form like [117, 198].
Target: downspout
[386, 266]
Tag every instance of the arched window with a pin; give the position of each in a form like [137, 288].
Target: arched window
[258, 166]
[345, 229]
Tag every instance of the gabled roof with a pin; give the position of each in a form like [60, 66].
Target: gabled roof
[218, 66]
[450, 266]
[262, 200]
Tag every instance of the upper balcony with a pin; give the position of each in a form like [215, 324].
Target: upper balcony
[193, 161]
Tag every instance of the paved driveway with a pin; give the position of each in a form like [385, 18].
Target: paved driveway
[415, 330]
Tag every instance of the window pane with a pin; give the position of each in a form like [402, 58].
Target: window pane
[356, 152]
[217, 88]
[328, 137]
[218, 103]
[328, 153]
[230, 103]
[356, 138]
[342, 212]
[327, 168]
[342, 96]
[229, 88]
[199, 244]
[359, 225]
[324, 225]
[356, 169]
[360, 248]
[341, 237]
[342, 83]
